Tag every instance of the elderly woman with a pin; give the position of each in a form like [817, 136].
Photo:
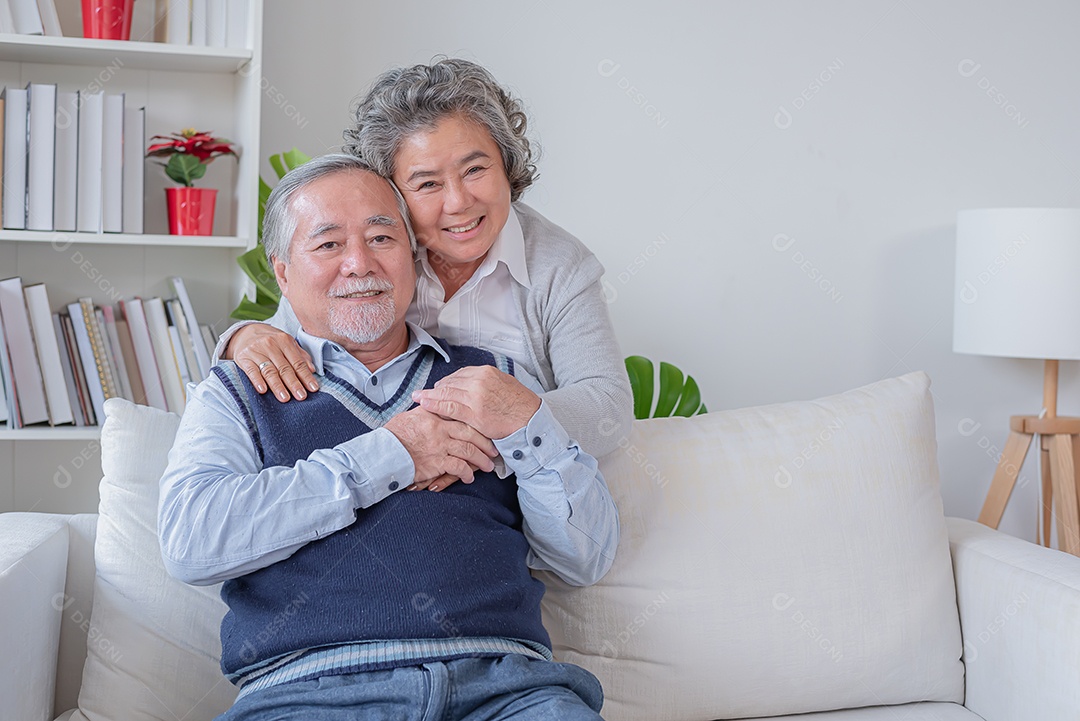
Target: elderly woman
[491, 271]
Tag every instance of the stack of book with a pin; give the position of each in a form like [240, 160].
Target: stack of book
[59, 368]
[29, 17]
[206, 23]
[72, 160]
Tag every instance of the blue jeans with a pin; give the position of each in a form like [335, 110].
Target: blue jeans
[469, 689]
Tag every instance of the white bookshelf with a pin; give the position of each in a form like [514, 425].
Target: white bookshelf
[64, 239]
[212, 89]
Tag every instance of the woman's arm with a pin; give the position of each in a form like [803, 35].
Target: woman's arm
[592, 397]
[253, 344]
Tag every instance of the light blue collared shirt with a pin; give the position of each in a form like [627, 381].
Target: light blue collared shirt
[222, 514]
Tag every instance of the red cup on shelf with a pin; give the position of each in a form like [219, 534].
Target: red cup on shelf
[107, 19]
[191, 210]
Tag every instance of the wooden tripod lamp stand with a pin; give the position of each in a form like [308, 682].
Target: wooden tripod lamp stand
[1017, 296]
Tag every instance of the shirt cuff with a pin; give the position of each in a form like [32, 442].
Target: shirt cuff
[380, 466]
[226, 337]
[533, 447]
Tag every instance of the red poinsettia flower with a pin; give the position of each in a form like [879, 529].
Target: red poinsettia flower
[189, 151]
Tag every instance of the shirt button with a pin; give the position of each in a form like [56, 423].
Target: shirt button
[393, 485]
[537, 441]
[518, 455]
[374, 380]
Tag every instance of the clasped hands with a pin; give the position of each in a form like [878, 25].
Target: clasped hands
[449, 435]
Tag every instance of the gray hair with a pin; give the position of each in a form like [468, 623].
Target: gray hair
[279, 222]
[405, 100]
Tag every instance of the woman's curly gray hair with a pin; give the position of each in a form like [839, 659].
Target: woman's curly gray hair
[405, 100]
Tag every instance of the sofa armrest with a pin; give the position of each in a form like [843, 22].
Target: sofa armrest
[1020, 618]
[78, 603]
[33, 572]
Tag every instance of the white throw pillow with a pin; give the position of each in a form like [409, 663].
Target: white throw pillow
[776, 560]
[154, 641]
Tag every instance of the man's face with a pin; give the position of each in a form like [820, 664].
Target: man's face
[350, 276]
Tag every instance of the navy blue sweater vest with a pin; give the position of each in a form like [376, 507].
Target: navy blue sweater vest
[417, 565]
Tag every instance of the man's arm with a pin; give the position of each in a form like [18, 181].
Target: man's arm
[222, 515]
[570, 519]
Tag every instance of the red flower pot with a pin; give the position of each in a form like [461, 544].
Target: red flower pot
[191, 210]
[107, 19]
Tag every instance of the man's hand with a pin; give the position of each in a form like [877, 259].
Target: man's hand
[441, 447]
[492, 402]
[272, 358]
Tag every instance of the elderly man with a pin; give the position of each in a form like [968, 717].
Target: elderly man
[349, 596]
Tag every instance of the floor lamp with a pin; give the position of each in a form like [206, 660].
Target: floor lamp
[1018, 296]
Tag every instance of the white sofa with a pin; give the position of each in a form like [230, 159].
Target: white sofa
[784, 560]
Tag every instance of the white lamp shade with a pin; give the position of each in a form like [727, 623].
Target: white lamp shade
[1018, 283]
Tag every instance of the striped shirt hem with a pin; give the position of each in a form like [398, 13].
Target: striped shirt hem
[379, 655]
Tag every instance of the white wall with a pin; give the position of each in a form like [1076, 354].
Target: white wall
[772, 186]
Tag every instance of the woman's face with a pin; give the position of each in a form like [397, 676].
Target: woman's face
[454, 182]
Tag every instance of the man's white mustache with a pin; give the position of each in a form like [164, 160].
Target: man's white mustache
[361, 286]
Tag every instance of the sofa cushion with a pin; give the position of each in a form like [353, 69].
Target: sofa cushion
[153, 644]
[776, 560]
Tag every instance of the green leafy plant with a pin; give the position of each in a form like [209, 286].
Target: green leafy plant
[254, 262]
[676, 394]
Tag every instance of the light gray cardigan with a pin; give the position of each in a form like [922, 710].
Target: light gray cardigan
[570, 338]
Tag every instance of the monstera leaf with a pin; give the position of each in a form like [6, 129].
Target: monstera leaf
[254, 262]
[676, 395]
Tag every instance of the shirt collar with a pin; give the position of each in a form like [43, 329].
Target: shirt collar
[321, 349]
[509, 248]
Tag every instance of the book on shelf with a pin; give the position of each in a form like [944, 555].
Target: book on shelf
[41, 155]
[8, 412]
[134, 313]
[216, 18]
[27, 17]
[182, 341]
[199, 23]
[86, 405]
[7, 23]
[26, 373]
[50, 19]
[134, 168]
[91, 355]
[112, 164]
[167, 363]
[69, 366]
[172, 22]
[131, 363]
[94, 326]
[202, 23]
[88, 204]
[143, 350]
[67, 160]
[79, 338]
[236, 26]
[48, 354]
[200, 349]
[14, 194]
[208, 336]
[112, 351]
[181, 358]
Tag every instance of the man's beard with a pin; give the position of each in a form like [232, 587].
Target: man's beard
[367, 322]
